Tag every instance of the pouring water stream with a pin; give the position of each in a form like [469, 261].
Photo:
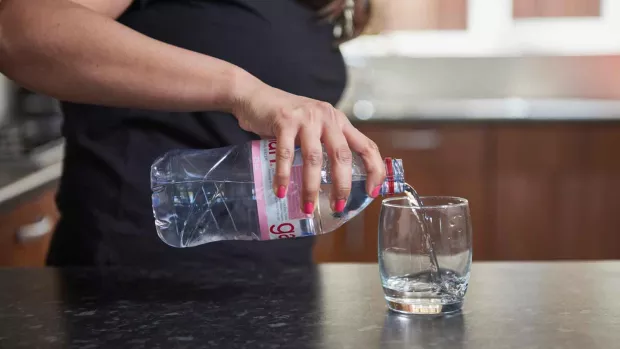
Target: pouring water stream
[416, 201]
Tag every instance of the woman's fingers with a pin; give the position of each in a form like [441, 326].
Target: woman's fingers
[341, 160]
[285, 152]
[312, 155]
[369, 152]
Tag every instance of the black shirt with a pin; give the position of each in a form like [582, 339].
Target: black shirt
[104, 197]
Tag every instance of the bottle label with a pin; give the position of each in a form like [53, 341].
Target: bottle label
[278, 218]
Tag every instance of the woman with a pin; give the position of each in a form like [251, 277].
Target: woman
[145, 77]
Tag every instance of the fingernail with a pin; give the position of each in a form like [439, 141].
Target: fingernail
[281, 192]
[339, 207]
[375, 192]
[308, 207]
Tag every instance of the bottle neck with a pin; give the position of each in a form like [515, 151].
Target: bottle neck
[395, 177]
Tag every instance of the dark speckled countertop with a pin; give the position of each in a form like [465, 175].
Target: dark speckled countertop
[509, 305]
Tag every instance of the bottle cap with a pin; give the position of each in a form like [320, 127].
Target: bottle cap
[394, 178]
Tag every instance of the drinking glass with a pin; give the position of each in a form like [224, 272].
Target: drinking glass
[425, 254]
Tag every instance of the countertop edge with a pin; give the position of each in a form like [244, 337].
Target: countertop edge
[405, 109]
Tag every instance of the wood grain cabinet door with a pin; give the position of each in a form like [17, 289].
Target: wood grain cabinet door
[26, 231]
[557, 191]
[598, 222]
[556, 8]
[539, 179]
[418, 15]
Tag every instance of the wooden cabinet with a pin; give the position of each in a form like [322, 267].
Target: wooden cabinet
[438, 160]
[538, 177]
[538, 191]
[597, 203]
[556, 190]
[556, 8]
[26, 231]
[418, 15]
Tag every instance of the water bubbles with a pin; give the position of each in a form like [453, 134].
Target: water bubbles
[456, 220]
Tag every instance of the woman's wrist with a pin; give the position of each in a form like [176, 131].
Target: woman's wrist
[243, 86]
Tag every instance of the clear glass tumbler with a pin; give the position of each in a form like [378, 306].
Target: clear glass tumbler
[425, 254]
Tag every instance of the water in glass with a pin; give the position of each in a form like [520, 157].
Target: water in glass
[424, 253]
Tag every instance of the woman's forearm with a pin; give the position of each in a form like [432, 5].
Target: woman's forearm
[71, 53]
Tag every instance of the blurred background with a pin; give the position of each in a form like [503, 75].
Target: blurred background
[512, 104]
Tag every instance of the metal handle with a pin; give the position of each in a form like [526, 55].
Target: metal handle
[345, 27]
[417, 140]
[5, 99]
[40, 228]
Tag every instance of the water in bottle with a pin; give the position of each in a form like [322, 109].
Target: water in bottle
[201, 196]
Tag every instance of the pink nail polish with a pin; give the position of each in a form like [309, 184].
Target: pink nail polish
[375, 192]
[308, 207]
[281, 192]
[339, 207]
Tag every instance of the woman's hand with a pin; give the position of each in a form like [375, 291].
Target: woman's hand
[292, 119]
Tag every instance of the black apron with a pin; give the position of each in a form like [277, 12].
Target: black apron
[104, 196]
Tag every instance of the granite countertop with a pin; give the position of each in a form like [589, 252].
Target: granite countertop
[509, 305]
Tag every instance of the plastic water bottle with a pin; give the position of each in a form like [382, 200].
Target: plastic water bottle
[201, 196]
